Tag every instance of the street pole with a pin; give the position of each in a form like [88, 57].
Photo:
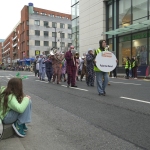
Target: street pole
[55, 37]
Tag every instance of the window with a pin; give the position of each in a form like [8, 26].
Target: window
[46, 43]
[27, 22]
[139, 47]
[139, 9]
[62, 25]
[46, 33]
[124, 13]
[54, 24]
[54, 44]
[62, 44]
[69, 44]
[37, 22]
[51, 15]
[37, 43]
[54, 34]
[62, 35]
[110, 17]
[37, 32]
[45, 23]
[27, 32]
[69, 26]
[69, 36]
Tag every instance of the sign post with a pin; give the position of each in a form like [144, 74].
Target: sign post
[106, 61]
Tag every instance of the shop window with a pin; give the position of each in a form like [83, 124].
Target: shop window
[124, 49]
[139, 47]
[139, 9]
[124, 13]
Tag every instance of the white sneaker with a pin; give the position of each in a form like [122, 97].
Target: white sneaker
[112, 77]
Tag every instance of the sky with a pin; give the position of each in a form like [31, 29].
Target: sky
[10, 11]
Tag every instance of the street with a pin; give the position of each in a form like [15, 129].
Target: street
[79, 119]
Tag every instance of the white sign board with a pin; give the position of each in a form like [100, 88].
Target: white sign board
[106, 61]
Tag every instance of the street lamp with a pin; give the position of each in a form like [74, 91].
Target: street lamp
[61, 39]
[55, 33]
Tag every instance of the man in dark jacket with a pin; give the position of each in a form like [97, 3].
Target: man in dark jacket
[90, 68]
[49, 68]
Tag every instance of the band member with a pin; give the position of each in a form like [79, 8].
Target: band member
[57, 64]
[49, 68]
[90, 68]
[71, 66]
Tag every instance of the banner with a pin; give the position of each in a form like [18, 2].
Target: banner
[106, 61]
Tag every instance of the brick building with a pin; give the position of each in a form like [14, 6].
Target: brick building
[38, 31]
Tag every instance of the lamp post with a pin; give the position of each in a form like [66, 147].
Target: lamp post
[61, 39]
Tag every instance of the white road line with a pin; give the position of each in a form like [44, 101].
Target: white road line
[137, 100]
[124, 83]
[11, 75]
[41, 81]
[75, 88]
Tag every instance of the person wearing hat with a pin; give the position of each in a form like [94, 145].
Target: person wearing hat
[71, 66]
[90, 68]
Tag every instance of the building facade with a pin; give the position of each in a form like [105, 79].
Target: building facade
[75, 23]
[125, 24]
[38, 31]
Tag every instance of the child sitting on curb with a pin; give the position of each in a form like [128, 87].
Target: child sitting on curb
[15, 107]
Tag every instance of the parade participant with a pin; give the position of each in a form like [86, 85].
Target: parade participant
[63, 70]
[82, 67]
[15, 107]
[134, 67]
[101, 77]
[56, 61]
[77, 65]
[49, 68]
[71, 66]
[36, 67]
[42, 67]
[90, 68]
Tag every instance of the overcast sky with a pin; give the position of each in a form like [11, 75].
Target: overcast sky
[10, 11]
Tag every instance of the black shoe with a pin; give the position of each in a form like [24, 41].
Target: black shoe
[73, 86]
[101, 94]
[43, 79]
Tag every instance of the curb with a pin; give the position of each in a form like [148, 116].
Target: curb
[8, 131]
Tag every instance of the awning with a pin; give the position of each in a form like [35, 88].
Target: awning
[129, 28]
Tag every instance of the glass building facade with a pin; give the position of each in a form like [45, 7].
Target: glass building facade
[75, 23]
[128, 29]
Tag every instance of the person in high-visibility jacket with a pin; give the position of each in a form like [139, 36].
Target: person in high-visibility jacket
[134, 67]
[127, 67]
[101, 77]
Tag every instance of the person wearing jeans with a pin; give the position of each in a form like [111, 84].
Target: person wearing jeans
[15, 107]
[101, 77]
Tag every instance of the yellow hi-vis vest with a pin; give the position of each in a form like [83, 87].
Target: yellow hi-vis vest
[97, 52]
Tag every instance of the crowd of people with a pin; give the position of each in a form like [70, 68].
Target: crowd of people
[57, 65]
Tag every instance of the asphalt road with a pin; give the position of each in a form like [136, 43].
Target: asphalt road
[124, 112]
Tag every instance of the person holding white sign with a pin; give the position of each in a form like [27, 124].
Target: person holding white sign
[101, 77]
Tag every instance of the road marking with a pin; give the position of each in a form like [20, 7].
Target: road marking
[124, 83]
[132, 99]
[11, 75]
[41, 81]
[75, 88]
[146, 80]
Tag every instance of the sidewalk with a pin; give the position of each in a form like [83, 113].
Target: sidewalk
[53, 128]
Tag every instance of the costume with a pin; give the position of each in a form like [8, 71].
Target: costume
[71, 68]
